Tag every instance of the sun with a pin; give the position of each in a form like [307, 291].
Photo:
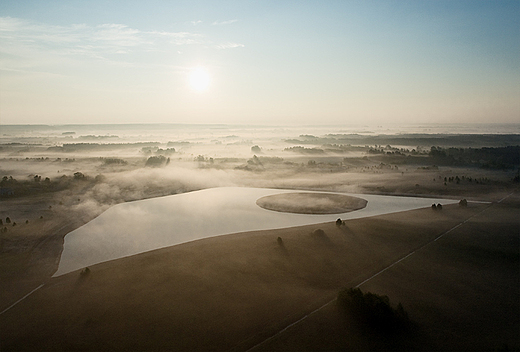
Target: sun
[199, 79]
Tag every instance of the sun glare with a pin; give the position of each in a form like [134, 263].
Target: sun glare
[199, 79]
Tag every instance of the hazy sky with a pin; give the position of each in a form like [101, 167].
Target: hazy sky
[259, 62]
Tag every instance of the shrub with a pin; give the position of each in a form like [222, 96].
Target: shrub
[463, 203]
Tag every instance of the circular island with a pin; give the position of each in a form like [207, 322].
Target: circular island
[311, 203]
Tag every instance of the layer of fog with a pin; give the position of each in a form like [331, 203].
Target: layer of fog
[113, 160]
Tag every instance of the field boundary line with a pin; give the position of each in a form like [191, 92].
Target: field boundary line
[21, 299]
[385, 269]
[509, 195]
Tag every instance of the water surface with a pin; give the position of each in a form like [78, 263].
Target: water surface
[135, 227]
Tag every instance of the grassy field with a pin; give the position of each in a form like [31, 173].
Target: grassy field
[233, 292]
[30, 251]
[462, 293]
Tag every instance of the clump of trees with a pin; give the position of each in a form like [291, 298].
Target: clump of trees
[11, 187]
[167, 151]
[157, 161]
[303, 150]
[203, 159]
[85, 272]
[372, 311]
[255, 161]
[79, 176]
[86, 147]
[437, 206]
[113, 161]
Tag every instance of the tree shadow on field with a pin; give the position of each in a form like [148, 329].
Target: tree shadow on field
[281, 247]
[321, 237]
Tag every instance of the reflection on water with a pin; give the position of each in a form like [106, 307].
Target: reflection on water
[135, 227]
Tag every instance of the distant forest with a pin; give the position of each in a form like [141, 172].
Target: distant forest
[501, 158]
[488, 158]
[425, 140]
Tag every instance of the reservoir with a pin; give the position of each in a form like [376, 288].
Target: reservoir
[135, 227]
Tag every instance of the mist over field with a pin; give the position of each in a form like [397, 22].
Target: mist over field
[109, 164]
[254, 176]
[62, 189]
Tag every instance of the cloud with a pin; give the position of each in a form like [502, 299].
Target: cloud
[195, 22]
[179, 38]
[117, 35]
[223, 23]
[29, 45]
[229, 45]
[21, 31]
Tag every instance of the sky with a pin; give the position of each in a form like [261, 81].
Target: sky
[259, 62]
